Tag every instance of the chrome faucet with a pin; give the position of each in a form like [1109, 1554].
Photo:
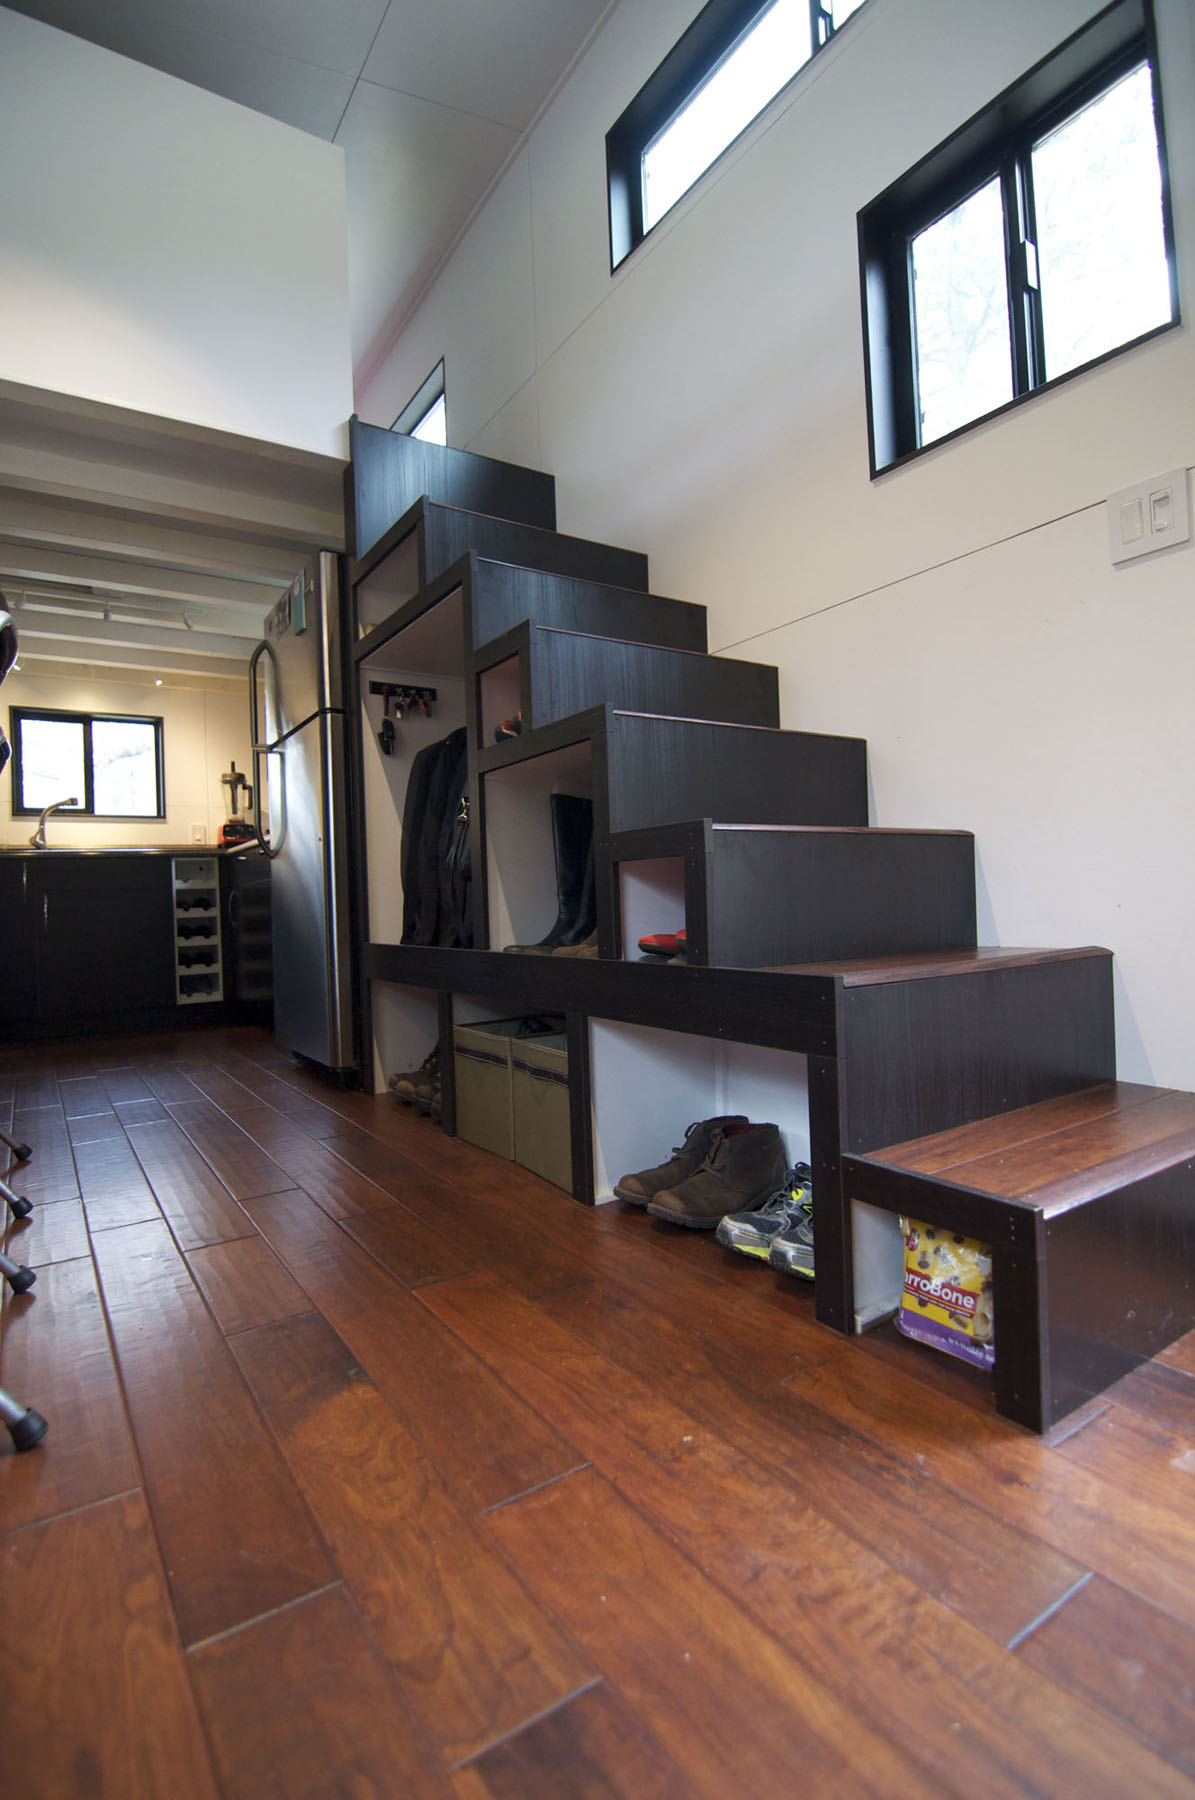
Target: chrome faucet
[38, 840]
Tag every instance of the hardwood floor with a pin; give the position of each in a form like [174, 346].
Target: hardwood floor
[378, 1467]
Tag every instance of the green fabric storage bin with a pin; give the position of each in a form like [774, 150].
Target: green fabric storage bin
[539, 1086]
[481, 1065]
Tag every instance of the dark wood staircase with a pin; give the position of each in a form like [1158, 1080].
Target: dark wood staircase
[970, 1086]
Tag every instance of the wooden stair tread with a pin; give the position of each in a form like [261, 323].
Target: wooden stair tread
[1060, 1153]
[924, 965]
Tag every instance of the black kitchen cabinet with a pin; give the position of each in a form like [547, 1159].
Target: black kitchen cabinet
[88, 940]
[18, 945]
[248, 946]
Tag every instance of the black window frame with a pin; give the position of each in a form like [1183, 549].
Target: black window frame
[422, 401]
[684, 71]
[17, 715]
[996, 143]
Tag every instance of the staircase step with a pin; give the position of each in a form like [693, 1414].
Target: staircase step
[1088, 1203]
[500, 595]
[553, 674]
[749, 896]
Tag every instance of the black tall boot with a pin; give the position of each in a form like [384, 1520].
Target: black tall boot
[572, 844]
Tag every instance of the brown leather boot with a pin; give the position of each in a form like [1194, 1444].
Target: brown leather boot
[686, 1159]
[744, 1166]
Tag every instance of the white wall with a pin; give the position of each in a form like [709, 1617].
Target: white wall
[706, 404]
[202, 733]
[167, 250]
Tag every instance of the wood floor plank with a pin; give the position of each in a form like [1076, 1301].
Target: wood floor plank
[199, 1207]
[831, 1602]
[299, 1707]
[245, 1170]
[1180, 1354]
[82, 1095]
[123, 1085]
[736, 1712]
[222, 1089]
[57, 1358]
[314, 1108]
[94, 1128]
[115, 1192]
[1128, 1659]
[998, 1578]
[339, 1190]
[487, 1444]
[594, 1747]
[476, 1216]
[475, 1656]
[140, 1112]
[49, 1234]
[50, 1173]
[245, 1285]
[1161, 1392]
[1138, 1454]
[35, 1088]
[1120, 1533]
[411, 1250]
[236, 1534]
[87, 1640]
[168, 1083]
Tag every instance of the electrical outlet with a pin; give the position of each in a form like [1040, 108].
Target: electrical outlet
[199, 834]
[1151, 516]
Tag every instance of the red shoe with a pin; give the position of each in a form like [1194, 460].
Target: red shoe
[663, 943]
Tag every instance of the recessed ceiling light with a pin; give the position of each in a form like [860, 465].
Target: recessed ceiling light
[157, 681]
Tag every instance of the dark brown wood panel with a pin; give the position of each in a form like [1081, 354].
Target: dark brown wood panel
[985, 1137]
[48, 1234]
[411, 1250]
[487, 1443]
[89, 1650]
[115, 1192]
[50, 1174]
[299, 1705]
[341, 1191]
[594, 1747]
[998, 1578]
[236, 1535]
[197, 1206]
[57, 1359]
[1126, 1658]
[1084, 1151]
[791, 1567]
[1124, 1535]
[245, 1285]
[475, 1655]
[243, 1168]
[697, 1663]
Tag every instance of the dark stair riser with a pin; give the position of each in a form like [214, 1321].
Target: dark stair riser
[500, 596]
[564, 673]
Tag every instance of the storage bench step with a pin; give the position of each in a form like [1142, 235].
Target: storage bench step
[1088, 1204]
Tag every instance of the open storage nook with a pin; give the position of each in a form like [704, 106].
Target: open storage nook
[649, 1086]
[519, 822]
[830, 982]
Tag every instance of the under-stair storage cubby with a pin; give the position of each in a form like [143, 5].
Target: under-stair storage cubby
[199, 976]
[406, 1024]
[753, 895]
[650, 1085]
[829, 982]
[483, 1056]
[531, 849]
[412, 715]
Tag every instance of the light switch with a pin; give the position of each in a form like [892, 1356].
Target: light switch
[1154, 515]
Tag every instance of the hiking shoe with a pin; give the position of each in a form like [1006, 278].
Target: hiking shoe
[752, 1233]
[686, 1159]
[426, 1077]
[792, 1248]
[745, 1164]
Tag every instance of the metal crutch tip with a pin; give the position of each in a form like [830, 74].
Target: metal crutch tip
[22, 1280]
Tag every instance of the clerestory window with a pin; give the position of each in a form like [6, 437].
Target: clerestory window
[735, 58]
[1034, 242]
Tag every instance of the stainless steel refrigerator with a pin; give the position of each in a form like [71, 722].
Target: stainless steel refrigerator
[298, 724]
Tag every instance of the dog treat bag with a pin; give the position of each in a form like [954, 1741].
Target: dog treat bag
[947, 1297]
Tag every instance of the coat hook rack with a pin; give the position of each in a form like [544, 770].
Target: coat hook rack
[399, 697]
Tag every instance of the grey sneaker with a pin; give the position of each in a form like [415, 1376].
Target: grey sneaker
[752, 1233]
[792, 1248]
[686, 1159]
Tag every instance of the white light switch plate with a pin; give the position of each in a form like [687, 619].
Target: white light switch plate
[1151, 516]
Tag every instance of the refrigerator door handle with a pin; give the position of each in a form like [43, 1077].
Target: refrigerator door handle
[271, 847]
[259, 651]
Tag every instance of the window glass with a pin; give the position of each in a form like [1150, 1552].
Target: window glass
[766, 57]
[960, 315]
[125, 767]
[1100, 236]
[52, 761]
[433, 426]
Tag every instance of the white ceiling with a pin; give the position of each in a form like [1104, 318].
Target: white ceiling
[428, 99]
[130, 546]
